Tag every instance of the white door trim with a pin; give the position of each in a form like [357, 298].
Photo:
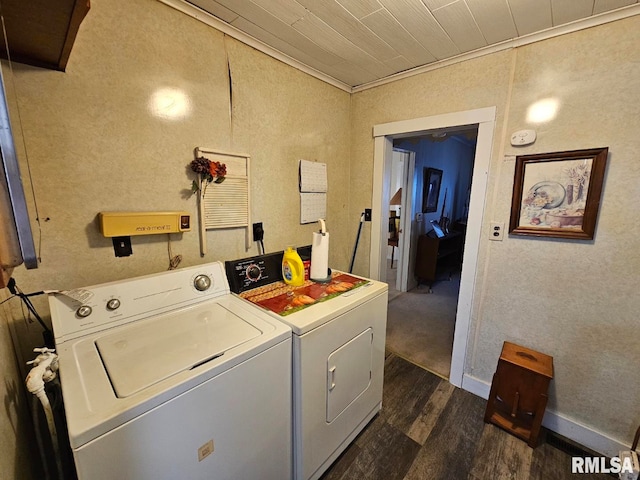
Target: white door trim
[407, 222]
[384, 134]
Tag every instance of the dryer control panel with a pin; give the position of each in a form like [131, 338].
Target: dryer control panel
[253, 272]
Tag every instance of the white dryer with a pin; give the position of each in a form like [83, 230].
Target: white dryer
[339, 333]
[170, 376]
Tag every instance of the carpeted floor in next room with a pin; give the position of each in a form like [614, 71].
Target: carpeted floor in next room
[420, 324]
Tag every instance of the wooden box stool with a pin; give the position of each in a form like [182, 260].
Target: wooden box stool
[518, 394]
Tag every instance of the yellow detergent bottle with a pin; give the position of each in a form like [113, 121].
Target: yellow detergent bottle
[292, 267]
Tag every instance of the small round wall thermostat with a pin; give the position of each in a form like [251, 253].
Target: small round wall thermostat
[523, 137]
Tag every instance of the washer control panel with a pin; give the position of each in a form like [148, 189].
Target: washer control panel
[111, 304]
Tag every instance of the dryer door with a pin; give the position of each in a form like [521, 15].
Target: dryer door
[348, 373]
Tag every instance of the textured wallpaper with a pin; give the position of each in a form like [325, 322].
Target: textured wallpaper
[100, 138]
[118, 129]
[574, 300]
[144, 86]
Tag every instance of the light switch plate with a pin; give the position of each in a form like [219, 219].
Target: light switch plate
[497, 231]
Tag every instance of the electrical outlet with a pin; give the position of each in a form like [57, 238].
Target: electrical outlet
[367, 214]
[497, 231]
[258, 232]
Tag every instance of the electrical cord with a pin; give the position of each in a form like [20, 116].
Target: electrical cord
[16, 292]
[173, 261]
[262, 245]
[7, 299]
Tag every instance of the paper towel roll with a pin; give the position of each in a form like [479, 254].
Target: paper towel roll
[319, 257]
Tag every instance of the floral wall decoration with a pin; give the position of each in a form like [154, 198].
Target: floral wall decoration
[208, 171]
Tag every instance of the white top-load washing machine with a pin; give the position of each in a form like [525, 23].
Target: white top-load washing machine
[170, 376]
[339, 332]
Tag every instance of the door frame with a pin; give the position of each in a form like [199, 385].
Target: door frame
[384, 134]
[408, 202]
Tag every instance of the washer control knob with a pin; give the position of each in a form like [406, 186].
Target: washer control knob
[84, 311]
[202, 283]
[113, 304]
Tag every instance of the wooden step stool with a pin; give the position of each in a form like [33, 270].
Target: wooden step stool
[518, 394]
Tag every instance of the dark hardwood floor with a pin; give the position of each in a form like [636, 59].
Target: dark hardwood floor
[428, 429]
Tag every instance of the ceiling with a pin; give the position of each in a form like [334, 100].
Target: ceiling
[357, 42]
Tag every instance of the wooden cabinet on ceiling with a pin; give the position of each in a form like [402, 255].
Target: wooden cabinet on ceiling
[41, 32]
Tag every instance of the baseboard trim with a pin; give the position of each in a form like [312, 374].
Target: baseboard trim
[582, 434]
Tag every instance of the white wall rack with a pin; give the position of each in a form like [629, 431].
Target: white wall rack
[226, 204]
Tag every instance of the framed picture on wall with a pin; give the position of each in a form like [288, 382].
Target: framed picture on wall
[558, 194]
[431, 189]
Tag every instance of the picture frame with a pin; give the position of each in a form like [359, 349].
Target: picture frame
[431, 189]
[558, 194]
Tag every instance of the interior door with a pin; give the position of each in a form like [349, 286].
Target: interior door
[404, 164]
[406, 277]
[398, 183]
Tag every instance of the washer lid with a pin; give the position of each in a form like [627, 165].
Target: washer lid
[148, 352]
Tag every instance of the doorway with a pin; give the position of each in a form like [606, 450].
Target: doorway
[384, 135]
[422, 305]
